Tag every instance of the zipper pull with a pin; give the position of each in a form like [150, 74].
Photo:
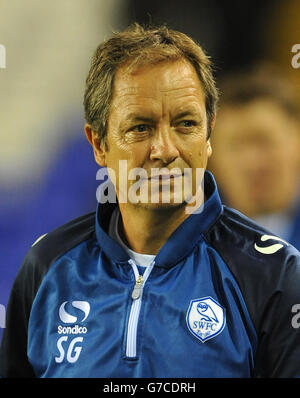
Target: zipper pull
[136, 293]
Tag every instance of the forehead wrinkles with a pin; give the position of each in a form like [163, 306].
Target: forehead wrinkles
[132, 86]
[133, 95]
[158, 84]
[159, 105]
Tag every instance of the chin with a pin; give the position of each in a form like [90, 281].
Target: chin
[160, 206]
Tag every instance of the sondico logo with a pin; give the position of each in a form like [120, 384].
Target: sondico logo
[64, 344]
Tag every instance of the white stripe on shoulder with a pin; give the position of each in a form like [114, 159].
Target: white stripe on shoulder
[38, 239]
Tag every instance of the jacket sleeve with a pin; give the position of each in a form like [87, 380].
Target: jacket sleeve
[13, 352]
[278, 354]
[43, 253]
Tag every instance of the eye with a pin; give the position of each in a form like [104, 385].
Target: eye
[188, 123]
[140, 128]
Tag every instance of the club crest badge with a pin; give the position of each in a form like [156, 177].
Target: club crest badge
[205, 318]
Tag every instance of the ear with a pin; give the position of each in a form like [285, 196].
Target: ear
[209, 148]
[98, 147]
[208, 143]
[212, 122]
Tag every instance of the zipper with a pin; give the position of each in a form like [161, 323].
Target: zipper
[136, 296]
[137, 290]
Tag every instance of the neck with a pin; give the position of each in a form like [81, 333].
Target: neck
[146, 230]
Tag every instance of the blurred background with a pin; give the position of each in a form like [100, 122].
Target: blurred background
[47, 170]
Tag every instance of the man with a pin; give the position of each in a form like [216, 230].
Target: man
[256, 143]
[144, 288]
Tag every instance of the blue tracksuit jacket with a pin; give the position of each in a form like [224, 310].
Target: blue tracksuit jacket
[221, 299]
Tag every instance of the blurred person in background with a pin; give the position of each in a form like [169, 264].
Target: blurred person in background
[256, 157]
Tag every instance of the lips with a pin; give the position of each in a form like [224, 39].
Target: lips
[164, 176]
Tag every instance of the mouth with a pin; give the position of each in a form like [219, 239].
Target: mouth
[165, 176]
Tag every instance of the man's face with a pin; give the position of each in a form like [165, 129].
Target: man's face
[256, 156]
[157, 120]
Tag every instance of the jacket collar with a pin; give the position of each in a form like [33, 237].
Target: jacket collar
[180, 243]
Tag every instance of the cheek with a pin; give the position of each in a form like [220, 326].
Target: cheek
[196, 155]
[204, 151]
[118, 144]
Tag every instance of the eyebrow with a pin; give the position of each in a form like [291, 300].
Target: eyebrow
[138, 118]
[135, 118]
[183, 114]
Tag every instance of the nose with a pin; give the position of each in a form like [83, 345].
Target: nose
[163, 146]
